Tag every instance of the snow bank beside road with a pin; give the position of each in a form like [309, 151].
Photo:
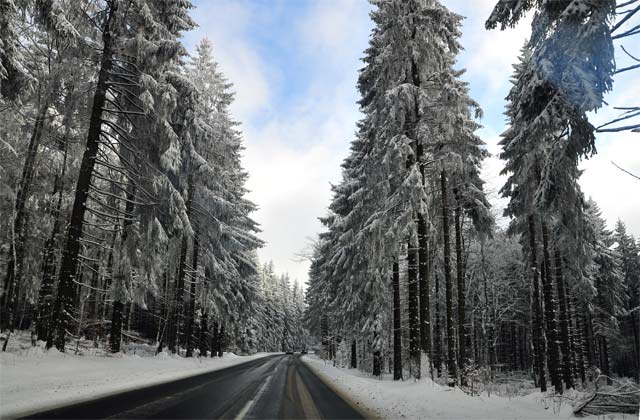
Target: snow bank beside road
[425, 399]
[34, 380]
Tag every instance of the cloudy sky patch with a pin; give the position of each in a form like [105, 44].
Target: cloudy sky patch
[294, 65]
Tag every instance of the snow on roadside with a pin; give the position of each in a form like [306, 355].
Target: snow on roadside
[425, 399]
[35, 380]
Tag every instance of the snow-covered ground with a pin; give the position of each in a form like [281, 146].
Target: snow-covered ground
[32, 379]
[425, 399]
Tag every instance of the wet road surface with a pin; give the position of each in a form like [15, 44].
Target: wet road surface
[277, 387]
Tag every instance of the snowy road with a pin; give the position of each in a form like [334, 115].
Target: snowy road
[268, 388]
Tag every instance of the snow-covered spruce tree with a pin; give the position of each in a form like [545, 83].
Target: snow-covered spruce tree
[407, 83]
[358, 282]
[607, 280]
[219, 211]
[630, 321]
[158, 29]
[276, 324]
[520, 187]
[321, 287]
[45, 29]
[571, 56]
[542, 147]
[13, 75]
[568, 70]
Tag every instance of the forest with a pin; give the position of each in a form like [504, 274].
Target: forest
[124, 215]
[122, 192]
[416, 274]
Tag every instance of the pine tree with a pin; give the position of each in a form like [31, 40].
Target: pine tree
[113, 72]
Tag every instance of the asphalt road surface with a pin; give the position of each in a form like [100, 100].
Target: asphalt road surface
[277, 387]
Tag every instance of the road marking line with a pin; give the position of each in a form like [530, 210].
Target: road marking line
[249, 405]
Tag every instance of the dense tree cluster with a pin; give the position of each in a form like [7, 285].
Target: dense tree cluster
[123, 213]
[411, 271]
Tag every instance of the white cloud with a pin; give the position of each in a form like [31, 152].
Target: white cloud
[226, 23]
[617, 193]
[335, 28]
[488, 55]
[292, 184]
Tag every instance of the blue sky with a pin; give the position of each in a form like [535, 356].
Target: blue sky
[294, 65]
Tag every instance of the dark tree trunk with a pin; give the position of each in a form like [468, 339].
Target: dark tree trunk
[354, 354]
[182, 270]
[461, 285]
[116, 326]
[17, 237]
[635, 326]
[221, 341]
[437, 333]
[448, 282]
[192, 297]
[63, 306]
[115, 337]
[550, 314]
[214, 339]
[537, 333]
[424, 265]
[414, 308]
[397, 323]
[45, 294]
[604, 359]
[578, 340]
[179, 295]
[324, 327]
[377, 357]
[588, 347]
[204, 335]
[567, 373]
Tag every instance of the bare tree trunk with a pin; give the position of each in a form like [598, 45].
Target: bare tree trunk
[550, 314]
[377, 358]
[221, 341]
[537, 334]
[437, 334]
[354, 354]
[192, 300]
[115, 335]
[204, 335]
[45, 294]
[182, 267]
[578, 339]
[451, 353]
[461, 284]
[414, 308]
[397, 326]
[17, 244]
[635, 326]
[424, 264]
[214, 339]
[567, 363]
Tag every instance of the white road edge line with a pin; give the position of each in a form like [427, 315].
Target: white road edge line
[245, 410]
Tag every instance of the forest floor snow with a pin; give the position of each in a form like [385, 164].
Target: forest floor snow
[425, 399]
[32, 379]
